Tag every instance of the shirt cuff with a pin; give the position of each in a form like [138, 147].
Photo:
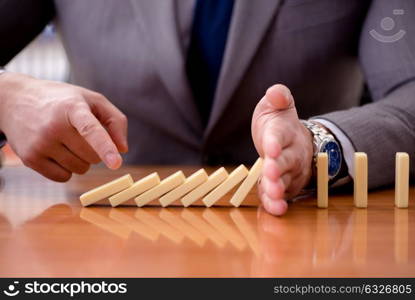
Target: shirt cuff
[346, 144]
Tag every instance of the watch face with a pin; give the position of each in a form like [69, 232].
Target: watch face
[334, 156]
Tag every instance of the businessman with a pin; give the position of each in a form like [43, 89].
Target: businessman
[190, 78]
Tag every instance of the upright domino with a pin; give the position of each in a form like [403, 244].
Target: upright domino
[401, 180]
[136, 189]
[190, 183]
[322, 180]
[106, 190]
[248, 183]
[360, 179]
[213, 181]
[234, 178]
[164, 187]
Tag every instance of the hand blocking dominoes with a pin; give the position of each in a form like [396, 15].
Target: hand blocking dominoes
[177, 187]
[212, 188]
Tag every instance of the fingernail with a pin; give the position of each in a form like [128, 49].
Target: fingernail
[287, 93]
[124, 148]
[113, 160]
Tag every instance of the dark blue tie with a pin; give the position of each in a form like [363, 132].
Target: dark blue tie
[207, 44]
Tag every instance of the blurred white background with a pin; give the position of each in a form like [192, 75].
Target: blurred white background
[44, 58]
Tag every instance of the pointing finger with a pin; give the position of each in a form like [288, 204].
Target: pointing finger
[95, 135]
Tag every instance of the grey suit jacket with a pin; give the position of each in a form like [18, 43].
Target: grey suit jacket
[134, 53]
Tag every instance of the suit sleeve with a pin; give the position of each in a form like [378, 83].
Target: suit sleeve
[20, 22]
[387, 125]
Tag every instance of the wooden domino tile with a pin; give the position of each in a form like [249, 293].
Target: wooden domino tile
[213, 181]
[164, 187]
[190, 183]
[106, 190]
[402, 180]
[248, 183]
[234, 178]
[322, 180]
[136, 189]
[360, 179]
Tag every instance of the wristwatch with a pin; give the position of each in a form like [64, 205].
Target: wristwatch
[323, 141]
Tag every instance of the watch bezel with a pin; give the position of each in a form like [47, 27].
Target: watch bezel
[322, 146]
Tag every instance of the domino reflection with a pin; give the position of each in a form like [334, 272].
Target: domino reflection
[199, 225]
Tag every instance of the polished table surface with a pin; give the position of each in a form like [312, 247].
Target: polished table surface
[44, 231]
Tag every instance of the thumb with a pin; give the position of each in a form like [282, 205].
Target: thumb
[278, 97]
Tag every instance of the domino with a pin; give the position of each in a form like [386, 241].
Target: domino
[213, 181]
[190, 183]
[360, 179]
[137, 188]
[248, 183]
[322, 180]
[165, 186]
[234, 178]
[401, 180]
[106, 190]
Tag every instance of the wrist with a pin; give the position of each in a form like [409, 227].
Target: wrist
[324, 141]
[11, 86]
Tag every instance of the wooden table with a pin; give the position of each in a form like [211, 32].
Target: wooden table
[44, 231]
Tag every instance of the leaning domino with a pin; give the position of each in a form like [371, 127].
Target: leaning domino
[136, 189]
[234, 178]
[190, 183]
[106, 190]
[213, 181]
[164, 187]
[248, 183]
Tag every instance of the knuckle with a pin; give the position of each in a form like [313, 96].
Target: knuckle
[83, 169]
[95, 159]
[64, 177]
[87, 128]
[96, 95]
[51, 128]
[74, 104]
[58, 175]
[29, 158]
[123, 119]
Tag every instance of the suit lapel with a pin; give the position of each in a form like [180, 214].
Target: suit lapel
[158, 20]
[249, 23]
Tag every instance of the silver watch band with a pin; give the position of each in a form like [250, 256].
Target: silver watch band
[2, 70]
[319, 134]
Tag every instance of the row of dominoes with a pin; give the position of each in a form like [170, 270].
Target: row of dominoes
[178, 187]
[361, 179]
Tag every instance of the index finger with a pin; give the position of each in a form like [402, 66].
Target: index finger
[88, 126]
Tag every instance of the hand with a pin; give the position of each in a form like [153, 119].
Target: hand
[286, 146]
[58, 129]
